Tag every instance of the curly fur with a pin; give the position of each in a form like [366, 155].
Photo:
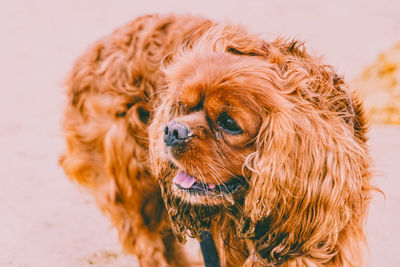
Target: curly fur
[302, 159]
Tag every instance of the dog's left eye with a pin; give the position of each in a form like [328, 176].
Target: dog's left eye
[228, 124]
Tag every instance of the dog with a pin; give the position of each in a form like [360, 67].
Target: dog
[178, 124]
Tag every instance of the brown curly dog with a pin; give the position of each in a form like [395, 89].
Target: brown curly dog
[178, 124]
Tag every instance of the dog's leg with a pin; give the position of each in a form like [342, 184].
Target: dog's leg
[176, 253]
[143, 227]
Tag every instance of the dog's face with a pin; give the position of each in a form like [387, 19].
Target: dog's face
[213, 132]
[212, 115]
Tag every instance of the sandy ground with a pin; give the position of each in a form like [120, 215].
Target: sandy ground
[48, 221]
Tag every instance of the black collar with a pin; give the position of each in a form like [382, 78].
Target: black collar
[208, 250]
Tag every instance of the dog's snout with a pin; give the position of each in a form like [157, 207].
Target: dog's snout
[175, 133]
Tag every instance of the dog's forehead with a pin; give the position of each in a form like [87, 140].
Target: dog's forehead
[215, 95]
[215, 79]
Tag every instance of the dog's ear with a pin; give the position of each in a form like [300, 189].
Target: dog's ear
[310, 181]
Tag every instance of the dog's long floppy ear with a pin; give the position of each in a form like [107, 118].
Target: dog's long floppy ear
[310, 175]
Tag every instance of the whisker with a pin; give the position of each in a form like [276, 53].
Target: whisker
[216, 177]
[203, 183]
[223, 168]
[219, 182]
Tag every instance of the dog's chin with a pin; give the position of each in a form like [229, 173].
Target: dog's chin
[193, 191]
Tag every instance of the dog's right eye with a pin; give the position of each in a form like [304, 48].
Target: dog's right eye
[228, 124]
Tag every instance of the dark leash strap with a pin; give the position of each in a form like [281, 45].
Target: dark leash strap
[208, 250]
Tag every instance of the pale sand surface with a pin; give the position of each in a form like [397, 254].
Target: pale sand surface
[48, 221]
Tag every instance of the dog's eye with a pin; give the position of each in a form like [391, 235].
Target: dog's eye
[182, 107]
[228, 124]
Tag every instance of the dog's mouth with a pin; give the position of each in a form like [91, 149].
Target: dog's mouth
[190, 184]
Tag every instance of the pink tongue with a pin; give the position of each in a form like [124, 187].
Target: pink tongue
[184, 180]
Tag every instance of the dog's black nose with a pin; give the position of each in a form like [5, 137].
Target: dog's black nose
[175, 133]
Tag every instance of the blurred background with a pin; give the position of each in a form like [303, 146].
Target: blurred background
[48, 221]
